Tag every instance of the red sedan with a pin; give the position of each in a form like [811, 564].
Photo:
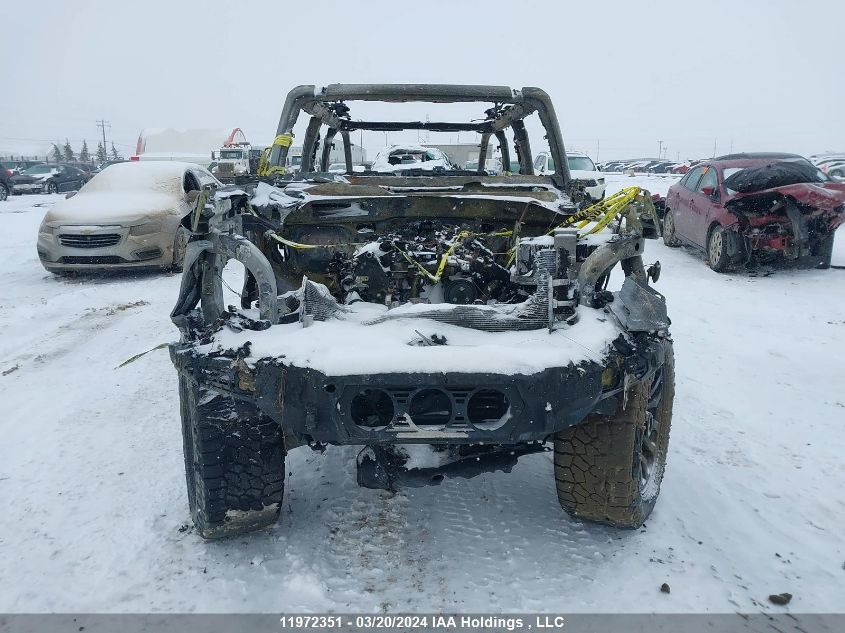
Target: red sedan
[756, 207]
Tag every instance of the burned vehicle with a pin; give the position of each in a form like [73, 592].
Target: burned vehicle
[756, 208]
[448, 322]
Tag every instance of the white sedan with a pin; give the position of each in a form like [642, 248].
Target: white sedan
[127, 217]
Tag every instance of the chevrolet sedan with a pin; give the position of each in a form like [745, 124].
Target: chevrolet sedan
[127, 217]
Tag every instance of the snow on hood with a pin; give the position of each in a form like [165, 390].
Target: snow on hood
[27, 178]
[580, 174]
[109, 207]
[346, 347]
[141, 177]
[265, 194]
[125, 193]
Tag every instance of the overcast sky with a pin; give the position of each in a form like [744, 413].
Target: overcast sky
[748, 75]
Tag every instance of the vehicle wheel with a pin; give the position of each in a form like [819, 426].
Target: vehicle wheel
[52, 187]
[717, 250]
[824, 250]
[669, 237]
[4, 193]
[234, 463]
[609, 468]
[837, 173]
[180, 243]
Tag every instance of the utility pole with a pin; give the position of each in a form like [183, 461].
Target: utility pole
[102, 125]
[714, 148]
[597, 149]
[659, 149]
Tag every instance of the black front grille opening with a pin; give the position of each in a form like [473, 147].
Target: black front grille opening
[430, 407]
[371, 408]
[96, 240]
[103, 259]
[488, 408]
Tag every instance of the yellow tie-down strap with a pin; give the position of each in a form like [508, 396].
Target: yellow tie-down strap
[283, 140]
[602, 213]
[264, 168]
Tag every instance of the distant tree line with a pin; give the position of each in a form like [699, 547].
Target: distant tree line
[65, 154]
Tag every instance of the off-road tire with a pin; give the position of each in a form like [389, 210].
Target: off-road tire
[717, 250]
[596, 462]
[234, 462]
[669, 237]
[824, 251]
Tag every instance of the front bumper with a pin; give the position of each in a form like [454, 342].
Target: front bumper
[80, 248]
[596, 193]
[403, 408]
[30, 187]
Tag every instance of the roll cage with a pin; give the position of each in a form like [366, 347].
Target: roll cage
[327, 108]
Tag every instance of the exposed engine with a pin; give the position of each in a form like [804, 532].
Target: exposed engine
[428, 262]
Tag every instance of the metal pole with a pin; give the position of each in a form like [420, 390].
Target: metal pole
[102, 125]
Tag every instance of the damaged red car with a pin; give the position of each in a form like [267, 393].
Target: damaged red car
[744, 208]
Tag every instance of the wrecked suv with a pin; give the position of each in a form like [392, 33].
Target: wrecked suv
[446, 321]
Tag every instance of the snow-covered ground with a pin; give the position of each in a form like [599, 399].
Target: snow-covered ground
[94, 512]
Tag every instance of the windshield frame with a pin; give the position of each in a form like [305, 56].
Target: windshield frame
[329, 114]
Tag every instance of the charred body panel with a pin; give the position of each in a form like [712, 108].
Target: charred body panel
[475, 288]
[511, 106]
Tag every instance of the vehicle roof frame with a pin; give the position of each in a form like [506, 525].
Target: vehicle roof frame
[318, 102]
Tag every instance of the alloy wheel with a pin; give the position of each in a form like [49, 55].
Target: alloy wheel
[646, 462]
[715, 246]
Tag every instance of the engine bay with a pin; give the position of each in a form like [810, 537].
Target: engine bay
[427, 262]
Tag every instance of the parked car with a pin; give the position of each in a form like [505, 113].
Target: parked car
[398, 158]
[835, 169]
[741, 207]
[49, 178]
[89, 168]
[581, 168]
[17, 166]
[5, 184]
[492, 166]
[127, 217]
[661, 167]
[820, 160]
